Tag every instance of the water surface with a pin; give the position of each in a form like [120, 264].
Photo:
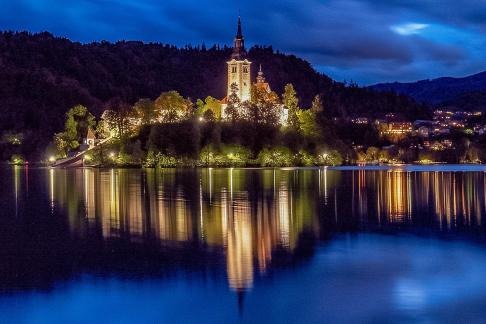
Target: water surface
[401, 244]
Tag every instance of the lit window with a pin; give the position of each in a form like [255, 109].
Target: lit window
[245, 69]
[233, 69]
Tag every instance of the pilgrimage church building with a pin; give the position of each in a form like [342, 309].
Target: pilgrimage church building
[239, 73]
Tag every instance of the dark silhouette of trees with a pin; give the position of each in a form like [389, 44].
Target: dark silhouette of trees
[42, 76]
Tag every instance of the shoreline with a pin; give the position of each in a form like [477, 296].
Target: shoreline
[369, 166]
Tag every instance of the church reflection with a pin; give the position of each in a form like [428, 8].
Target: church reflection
[246, 214]
[254, 215]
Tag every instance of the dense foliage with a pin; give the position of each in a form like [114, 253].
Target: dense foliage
[43, 76]
[178, 133]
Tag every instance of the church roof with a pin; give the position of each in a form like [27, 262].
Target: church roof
[90, 134]
[263, 85]
[261, 82]
[239, 51]
[239, 34]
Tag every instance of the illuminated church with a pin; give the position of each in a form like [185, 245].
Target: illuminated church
[239, 67]
[239, 73]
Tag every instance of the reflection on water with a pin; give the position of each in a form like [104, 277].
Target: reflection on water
[313, 235]
[248, 214]
[251, 214]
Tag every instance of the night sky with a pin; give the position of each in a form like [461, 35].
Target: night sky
[366, 41]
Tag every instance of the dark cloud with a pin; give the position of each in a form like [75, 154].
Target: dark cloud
[348, 39]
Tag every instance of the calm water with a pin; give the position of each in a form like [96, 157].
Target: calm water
[230, 245]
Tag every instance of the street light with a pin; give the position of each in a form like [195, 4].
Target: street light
[324, 157]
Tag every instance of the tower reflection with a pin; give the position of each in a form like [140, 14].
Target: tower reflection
[247, 214]
[254, 215]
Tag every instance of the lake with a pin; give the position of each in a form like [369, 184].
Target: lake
[292, 245]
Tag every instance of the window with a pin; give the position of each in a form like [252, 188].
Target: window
[233, 69]
[245, 69]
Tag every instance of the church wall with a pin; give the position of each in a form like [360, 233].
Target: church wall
[239, 73]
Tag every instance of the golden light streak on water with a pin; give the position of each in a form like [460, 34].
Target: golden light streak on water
[222, 211]
[240, 248]
[284, 216]
[51, 188]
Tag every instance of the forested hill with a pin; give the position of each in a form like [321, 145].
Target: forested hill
[42, 76]
[463, 93]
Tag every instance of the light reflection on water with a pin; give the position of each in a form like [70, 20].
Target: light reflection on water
[270, 236]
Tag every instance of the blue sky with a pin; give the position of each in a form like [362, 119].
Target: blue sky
[367, 41]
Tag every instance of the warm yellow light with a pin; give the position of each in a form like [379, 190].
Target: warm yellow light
[52, 159]
[112, 154]
[201, 119]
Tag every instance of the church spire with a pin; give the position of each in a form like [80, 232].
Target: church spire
[239, 34]
[239, 43]
[260, 77]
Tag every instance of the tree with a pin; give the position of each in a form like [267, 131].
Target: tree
[78, 121]
[145, 111]
[291, 102]
[232, 109]
[384, 156]
[210, 107]
[171, 107]
[317, 105]
[119, 119]
[263, 107]
[275, 157]
[307, 123]
[372, 153]
[331, 158]
[209, 116]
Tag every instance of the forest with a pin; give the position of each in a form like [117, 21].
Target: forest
[43, 76]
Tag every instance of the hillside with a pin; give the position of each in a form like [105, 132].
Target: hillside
[465, 93]
[42, 76]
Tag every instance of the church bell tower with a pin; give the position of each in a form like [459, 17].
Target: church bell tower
[239, 67]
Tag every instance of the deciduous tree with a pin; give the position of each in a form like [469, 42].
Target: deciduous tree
[232, 109]
[145, 110]
[291, 102]
[171, 107]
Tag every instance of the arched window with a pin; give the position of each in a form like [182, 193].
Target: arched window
[233, 69]
[245, 69]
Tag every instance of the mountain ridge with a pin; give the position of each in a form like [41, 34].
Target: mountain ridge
[439, 91]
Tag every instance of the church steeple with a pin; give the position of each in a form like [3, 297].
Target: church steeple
[239, 72]
[260, 78]
[239, 43]
[239, 34]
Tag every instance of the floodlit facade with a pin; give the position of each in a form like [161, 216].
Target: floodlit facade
[239, 75]
[239, 72]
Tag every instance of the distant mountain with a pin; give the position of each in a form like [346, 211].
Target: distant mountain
[42, 76]
[465, 93]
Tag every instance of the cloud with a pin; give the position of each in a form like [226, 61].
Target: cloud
[409, 28]
[364, 40]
